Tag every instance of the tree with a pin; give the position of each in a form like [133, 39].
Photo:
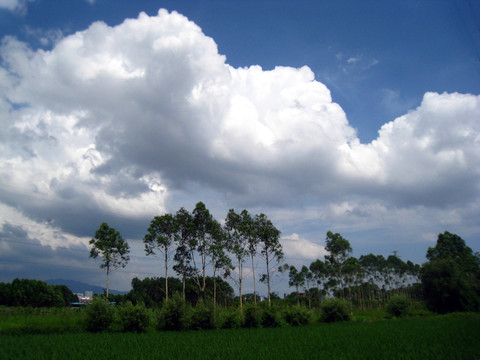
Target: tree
[451, 277]
[319, 272]
[307, 276]
[183, 256]
[109, 244]
[271, 249]
[295, 278]
[339, 250]
[249, 229]
[204, 243]
[237, 240]
[162, 234]
[219, 258]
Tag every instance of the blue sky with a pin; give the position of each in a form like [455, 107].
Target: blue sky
[122, 121]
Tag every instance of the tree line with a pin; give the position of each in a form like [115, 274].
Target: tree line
[35, 293]
[366, 281]
[194, 241]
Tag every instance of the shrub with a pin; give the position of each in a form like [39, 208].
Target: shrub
[99, 316]
[230, 319]
[134, 318]
[297, 316]
[251, 317]
[202, 317]
[174, 314]
[334, 310]
[271, 318]
[398, 305]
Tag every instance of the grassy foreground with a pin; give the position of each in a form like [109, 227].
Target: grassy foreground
[454, 336]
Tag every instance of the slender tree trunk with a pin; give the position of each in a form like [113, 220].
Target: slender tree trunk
[254, 283]
[268, 277]
[108, 272]
[214, 300]
[204, 274]
[183, 286]
[166, 275]
[240, 285]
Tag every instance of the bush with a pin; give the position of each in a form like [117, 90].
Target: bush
[174, 314]
[297, 316]
[134, 318]
[230, 319]
[251, 317]
[99, 316]
[202, 317]
[398, 305]
[271, 318]
[334, 310]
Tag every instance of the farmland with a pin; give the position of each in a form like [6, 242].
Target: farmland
[453, 336]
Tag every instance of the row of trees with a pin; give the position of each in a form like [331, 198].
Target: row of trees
[35, 293]
[450, 280]
[151, 291]
[370, 278]
[195, 241]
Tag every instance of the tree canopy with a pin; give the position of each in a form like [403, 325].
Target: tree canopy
[451, 277]
[109, 244]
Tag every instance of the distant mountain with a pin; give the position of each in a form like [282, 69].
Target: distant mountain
[81, 287]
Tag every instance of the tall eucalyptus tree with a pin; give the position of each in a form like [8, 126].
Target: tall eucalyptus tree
[270, 248]
[161, 235]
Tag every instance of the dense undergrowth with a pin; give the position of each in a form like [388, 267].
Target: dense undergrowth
[181, 316]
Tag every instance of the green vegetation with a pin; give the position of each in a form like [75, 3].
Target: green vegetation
[110, 246]
[334, 310]
[398, 305]
[20, 321]
[453, 336]
[35, 293]
[451, 277]
[99, 316]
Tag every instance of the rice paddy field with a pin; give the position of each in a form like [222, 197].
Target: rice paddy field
[454, 336]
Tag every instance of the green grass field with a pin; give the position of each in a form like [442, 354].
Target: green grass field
[454, 336]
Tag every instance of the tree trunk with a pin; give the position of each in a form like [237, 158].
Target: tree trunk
[183, 286]
[108, 272]
[214, 300]
[240, 285]
[268, 277]
[166, 275]
[254, 283]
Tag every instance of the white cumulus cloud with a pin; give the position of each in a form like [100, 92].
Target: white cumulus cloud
[121, 123]
[296, 247]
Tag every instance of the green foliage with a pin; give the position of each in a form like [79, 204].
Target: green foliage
[334, 310]
[174, 314]
[270, 247]
[297, 316]
[230, 319]
[202, 317]
[35, 293]
[398, 305]
[109, 244]
[451, 277]
[251, 316]
[99, 316]
[271, 318]
[133, 318]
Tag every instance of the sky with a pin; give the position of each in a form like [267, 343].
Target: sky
[361, 118]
